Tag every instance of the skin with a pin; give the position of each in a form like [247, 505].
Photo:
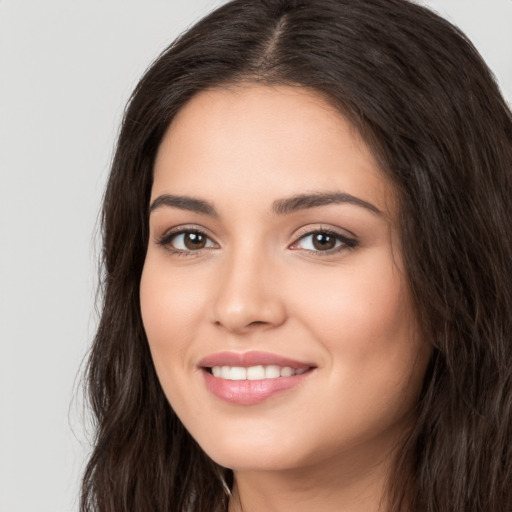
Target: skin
[260, 284]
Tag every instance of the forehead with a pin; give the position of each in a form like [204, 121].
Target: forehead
[257, 142]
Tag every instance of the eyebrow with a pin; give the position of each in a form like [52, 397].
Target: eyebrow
[184, 203]
[280, 206]
[306, 201]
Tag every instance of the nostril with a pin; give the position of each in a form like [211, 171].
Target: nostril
[257, 323]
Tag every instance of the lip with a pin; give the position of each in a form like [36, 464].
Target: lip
[250, 392]
[253, 358]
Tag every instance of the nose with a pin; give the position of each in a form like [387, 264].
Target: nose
[247, 295]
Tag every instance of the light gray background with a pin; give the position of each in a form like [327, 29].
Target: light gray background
[66, 70]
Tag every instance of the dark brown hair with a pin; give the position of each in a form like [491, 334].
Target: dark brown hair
[430, 110]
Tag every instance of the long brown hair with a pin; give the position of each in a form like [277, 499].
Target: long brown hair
[430, 110]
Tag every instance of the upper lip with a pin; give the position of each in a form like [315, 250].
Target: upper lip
[247, 359]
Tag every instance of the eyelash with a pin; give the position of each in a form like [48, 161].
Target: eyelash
[167, 238]
[346, 243]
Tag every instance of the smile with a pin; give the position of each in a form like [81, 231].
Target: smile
[252, 377]
[255, 372]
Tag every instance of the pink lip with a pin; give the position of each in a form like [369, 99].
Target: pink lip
[253, 358]
[250, 392]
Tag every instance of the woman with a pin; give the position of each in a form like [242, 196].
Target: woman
[308, 259]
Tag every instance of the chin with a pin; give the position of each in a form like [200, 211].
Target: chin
[254, 458]
[258, 450]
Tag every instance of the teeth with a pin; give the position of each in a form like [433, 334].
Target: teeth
[255, 372]
[286, 372]
[272, 372]
[238, 373]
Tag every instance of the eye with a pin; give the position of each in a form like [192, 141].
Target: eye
[187, 241]
[323, 241]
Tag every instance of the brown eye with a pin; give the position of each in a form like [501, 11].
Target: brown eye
[187, 241]
[194, 240]
[323, 241]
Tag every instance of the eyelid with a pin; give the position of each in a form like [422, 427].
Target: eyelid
[324, 228]
[165, 239]
[347, 242]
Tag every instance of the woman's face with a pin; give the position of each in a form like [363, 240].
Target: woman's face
[273, 293]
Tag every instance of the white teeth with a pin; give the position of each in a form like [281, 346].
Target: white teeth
[286, 371]
[255, 372]
[238, 373]
[272, 372]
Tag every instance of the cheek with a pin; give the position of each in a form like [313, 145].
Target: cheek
[171, 307]
[170, 301]
[368, 303]
[364, 321]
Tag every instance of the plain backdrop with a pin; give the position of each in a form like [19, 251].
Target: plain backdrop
[66, 71]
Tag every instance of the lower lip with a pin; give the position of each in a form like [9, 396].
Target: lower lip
[250, 392]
